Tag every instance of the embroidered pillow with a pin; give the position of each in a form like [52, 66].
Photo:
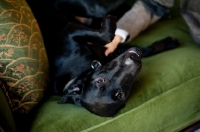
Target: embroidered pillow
[23, 58]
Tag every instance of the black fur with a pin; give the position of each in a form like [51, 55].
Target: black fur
[80, 72]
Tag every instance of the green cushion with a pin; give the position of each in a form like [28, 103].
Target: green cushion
[23, 59]
[166, 92]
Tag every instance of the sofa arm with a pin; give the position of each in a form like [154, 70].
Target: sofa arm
[23, 58]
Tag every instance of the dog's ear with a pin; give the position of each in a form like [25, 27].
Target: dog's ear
[68, 84]
[72, 93]
[64, 99]
[70, 99]
[74, 88]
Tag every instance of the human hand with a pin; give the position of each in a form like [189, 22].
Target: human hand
[110, 47]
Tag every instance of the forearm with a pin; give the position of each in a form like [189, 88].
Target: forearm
[136, 20]
[166, 3]
[139, 17]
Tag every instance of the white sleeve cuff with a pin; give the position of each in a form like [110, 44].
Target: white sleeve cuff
[122, 33]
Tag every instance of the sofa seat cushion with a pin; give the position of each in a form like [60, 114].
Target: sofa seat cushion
[166, 91]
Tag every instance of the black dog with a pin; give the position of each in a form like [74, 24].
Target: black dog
[80, 72]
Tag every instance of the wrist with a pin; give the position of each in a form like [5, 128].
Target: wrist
[122, 33]
[118, 38]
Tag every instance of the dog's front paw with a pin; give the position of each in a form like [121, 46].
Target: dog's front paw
[109, 22]
[108, 28]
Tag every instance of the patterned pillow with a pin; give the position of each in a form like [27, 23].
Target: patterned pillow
[23, 58]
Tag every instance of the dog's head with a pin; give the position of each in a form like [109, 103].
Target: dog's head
[104, 90]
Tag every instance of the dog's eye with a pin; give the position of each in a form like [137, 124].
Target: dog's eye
[100, 81]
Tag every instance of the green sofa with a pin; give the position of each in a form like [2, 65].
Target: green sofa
[165, 96]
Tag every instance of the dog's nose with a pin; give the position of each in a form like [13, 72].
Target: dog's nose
[135, 51]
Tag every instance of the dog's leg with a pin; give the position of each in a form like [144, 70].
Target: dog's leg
[155, 48]
[88, 8]
[100, 37]
[160, 46]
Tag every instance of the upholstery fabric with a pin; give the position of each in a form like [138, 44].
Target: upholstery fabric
[166, 92]
[23, 59]
[165, 96]
[6, 119]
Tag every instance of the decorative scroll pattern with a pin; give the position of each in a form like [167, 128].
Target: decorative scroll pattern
[23, 58]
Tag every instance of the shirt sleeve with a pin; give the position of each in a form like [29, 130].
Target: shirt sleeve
[123, 33]
[136, 20]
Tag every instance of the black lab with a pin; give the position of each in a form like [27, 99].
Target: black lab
[80, 72]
